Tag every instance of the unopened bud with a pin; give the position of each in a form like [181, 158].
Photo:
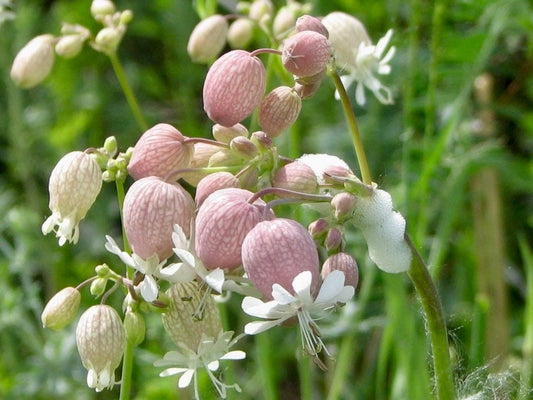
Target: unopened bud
[283, 22]
[61, 308]
[212, 183]
[102, 8]
[342, 262]
[318, 229]
[102, 270]
[306, 53]
[134, 327]
[224, 134]
[310, 23]
[110, 145]
[108, 39]
[334, 240]
[244, 147]
[100, 338]
[279, 110]
[98, 287]
[296, 176]
[343, 205]
[33, 62]
[261, 10]
[240, 33]
[69, 46]
[208, 39]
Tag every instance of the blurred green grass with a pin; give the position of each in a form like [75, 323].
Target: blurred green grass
[426, 150]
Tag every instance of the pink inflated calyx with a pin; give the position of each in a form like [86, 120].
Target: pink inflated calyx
[345, 263]
[151, 209]
[213, 182]
[296, 176]
[158, 152]
[279, 110]
[276, 251]
[306, 53]
[233, 87]
[222, 222]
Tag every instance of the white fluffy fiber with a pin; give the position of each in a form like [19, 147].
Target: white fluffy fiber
[319, 162]
[384, 231]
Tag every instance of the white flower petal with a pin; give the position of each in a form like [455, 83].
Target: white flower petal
[360, 94]
[234, 355]
[185, 256]
[302, 286]
[177, 272]
[253, 328]
[331, 287]
[281, 295]
[172, 371]
[257, 308]
[186, 378]
[149, 289]
[215, 279]
[213, 365]
[112, 247]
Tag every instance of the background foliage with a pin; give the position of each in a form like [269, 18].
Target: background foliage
[459, 168]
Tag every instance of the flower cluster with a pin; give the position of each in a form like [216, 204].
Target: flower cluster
[181, 249]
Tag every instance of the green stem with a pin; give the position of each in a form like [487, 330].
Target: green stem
[128, 92]
[127, 359]
[306, 381]
[266, 366]
[436, 324]
[354, 130]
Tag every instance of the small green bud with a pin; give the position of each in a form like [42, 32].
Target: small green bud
[110, 145]
[109, 176]
[135, 327]
[126, 17]
[102, 271]
[98, 287]
[240, 33]
[107, 40]
[69, 46]
[61, 308]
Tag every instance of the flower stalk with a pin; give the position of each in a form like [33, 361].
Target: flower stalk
[352, 125]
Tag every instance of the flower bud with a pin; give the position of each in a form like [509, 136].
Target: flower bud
[234, 87]
[102, 8]
[213, 182]
[345, 34]
[98, 286]
[100, 338]
[318, 229]
[33, 62]
[190, 315]
[159, 152]
[343, 205]
[224, 158]
[74, 184]
[279, 110]
[108, 39]
[151, 209]
[310, 23]
[243, 147]
[296, 176]
[320, 163]
[306, 53]
[69, 46]
[307, 86]
[334, 240]
[240, 33]
[342, 262]
[283, 22]
[134, 327]
[276, 251]
[208, 39]
[222, 222]
[225, 134]
[261, 10]
[61, 308]
[200, 159]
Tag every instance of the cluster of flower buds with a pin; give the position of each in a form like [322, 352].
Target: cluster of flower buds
[35, 60]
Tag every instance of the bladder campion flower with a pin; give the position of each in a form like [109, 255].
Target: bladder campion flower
[100, 338]
[358, 57]
[61, 308]
[34, 62]
[74, 184]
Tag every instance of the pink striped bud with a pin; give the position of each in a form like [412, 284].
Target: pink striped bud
[158, 152]
[345, 263]
[306, 53]
[279, 110]
[343, 205]
[200, 159]
[234, 87]
[100, 338]
[243, 147]
[213, 182]
[310, 23]
[276, 251]
[151, 209]
[61, 308]
[296, 176]
[208, 39]
[334, 240]
[318, 229]
[222, 222]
